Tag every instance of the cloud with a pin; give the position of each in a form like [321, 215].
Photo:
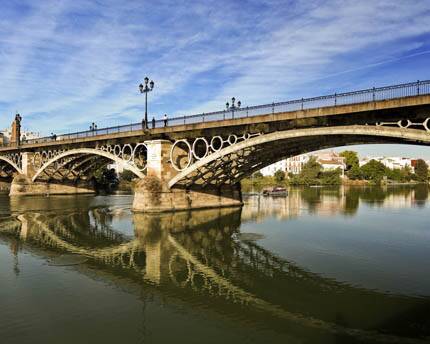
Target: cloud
[65, 64]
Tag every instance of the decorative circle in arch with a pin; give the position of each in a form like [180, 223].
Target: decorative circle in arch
[109, 149]
[404, 123]
[178, 161]
[196, 147]
[127, 152]
[140, 156]
[44, 157]
[216, 143]
[16, 158]
[37, 160]
[117, 150]
[232, 139]
[426, 124]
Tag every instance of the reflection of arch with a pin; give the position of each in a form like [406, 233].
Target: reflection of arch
[231, 164]
[9, 162]
[70, 156]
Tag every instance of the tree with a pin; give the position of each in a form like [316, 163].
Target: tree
[127, 176]
[374, 171]
[422, 171]
[351, 159]
[310, 172]
[331, 177]
[354, 173]
[257, 175]
[279, 176]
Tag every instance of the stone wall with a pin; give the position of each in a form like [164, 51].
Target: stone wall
[23, 186]
[152, 195]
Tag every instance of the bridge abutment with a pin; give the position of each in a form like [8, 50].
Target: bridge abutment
[22, 185]
[153, 194]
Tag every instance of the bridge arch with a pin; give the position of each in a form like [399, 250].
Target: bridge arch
[9, 162]
[233, 163]
[68, 157]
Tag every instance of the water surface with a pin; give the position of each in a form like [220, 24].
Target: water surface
[323, 265]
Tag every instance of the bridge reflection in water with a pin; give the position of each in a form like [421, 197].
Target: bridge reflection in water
[202, 256]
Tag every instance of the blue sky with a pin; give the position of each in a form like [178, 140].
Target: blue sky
[65, 64]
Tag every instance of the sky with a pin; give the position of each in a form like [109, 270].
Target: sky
[65, 64]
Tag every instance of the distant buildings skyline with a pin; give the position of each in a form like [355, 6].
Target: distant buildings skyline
[330, 160]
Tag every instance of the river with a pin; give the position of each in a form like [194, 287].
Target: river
[323, 265]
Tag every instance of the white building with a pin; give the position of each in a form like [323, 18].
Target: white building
[328, 161]
[390, 162]
[271, 169]
[296, 163]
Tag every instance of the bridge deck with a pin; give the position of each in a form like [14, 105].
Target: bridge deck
[375, 99]
[399, 103]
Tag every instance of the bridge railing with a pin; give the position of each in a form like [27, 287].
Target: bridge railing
[348, 98]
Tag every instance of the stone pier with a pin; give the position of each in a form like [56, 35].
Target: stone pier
[22, 184]
[152, 193]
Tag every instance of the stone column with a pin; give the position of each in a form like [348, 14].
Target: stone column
[152, 194]
[27, 164]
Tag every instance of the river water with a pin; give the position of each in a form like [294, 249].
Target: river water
[323, 265]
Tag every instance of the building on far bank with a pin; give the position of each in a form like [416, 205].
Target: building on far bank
[391, 162]
[271, 169]
[329, 160]
[296, 163]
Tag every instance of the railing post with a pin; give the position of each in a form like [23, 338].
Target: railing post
[273, 108]
[223, 115]
[418, 87]
[302, 103]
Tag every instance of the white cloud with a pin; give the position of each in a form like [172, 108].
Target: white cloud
[76, 62]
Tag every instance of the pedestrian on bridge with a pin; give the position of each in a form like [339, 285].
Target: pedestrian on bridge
[153, 122]
[165, 120]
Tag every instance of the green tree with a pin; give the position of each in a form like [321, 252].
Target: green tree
[127, 176]
[331, 177]
[351, 159]
[309, 173]
[355, 173]
[257, 175]
[373, 171]
[279, 176]
[422, 171]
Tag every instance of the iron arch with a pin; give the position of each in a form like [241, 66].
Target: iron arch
[89, 152]
[294, 142]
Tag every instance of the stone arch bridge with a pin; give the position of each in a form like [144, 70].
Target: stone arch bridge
[198, 161]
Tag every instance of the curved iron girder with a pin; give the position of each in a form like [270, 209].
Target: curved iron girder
[88, 151]
[309, 139]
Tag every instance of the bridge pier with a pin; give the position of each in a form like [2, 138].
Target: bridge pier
[153, 194]
[23, 185]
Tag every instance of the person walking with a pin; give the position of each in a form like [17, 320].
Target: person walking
[165, 120]
[153, 122]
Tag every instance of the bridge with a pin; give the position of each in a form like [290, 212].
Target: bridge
[198, 161]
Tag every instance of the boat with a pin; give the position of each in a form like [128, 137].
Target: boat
[276, 191]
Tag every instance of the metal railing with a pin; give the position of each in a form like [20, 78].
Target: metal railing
[355, 97]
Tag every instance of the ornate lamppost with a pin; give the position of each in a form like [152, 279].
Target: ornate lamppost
[233, 106]
[146, 89]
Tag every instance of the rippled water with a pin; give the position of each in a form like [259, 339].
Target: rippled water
[323, 265]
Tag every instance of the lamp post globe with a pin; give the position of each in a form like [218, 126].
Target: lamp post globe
[144, 88]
